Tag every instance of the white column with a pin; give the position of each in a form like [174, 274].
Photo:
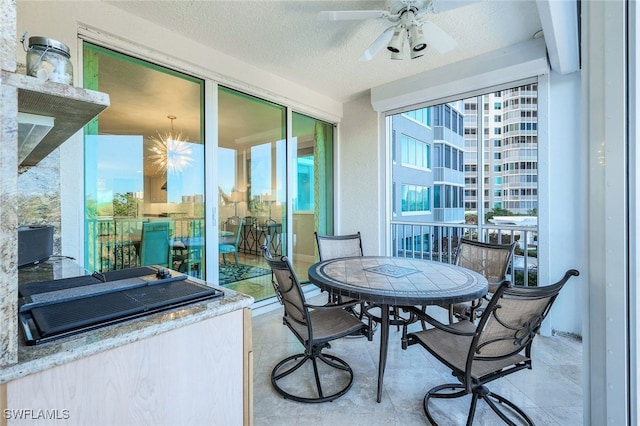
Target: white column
[605, 122]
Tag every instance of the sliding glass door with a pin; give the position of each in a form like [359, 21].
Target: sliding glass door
[312, 193]
[145, 172]
[252, 185]
[144, 166]
[257, 188]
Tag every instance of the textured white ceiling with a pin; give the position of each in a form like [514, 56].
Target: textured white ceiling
[286, 38]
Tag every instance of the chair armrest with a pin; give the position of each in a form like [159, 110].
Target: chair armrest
[330, 306]
[493, 287]
[434, 322]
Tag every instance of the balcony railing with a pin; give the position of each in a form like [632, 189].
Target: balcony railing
[114, 243]
[438, 241]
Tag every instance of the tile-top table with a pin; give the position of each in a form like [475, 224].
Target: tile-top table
[396, 281]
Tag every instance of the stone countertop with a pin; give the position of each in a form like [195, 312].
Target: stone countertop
[33, 359]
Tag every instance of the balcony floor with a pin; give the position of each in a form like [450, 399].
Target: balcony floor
[550, 393]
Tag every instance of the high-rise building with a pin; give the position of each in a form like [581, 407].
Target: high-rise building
[439, 173]
[427, 164]
[509, 129]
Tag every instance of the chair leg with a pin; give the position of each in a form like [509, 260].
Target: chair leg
[330, 360]
[479, 392]
[436, 393]
[475, 309]
[499, 412]
[235, 257]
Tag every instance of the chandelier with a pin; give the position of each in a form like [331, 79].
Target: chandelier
[170, 154]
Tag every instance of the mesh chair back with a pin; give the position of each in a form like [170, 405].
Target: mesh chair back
[512, 319]
[155, 248]
[489, 260]
[338, 246]
[287, 289]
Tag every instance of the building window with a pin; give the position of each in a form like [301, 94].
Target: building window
[415, 153]
[415, 198]
[422, 115]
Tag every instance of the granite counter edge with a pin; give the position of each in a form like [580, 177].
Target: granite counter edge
[34, 359]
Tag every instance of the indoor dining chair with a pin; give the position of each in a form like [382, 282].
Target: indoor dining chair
[155, 245]
[231, 245]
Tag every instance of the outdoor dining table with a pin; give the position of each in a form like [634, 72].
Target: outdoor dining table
[396, 282]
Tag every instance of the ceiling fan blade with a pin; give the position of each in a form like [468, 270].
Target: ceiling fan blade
[377, 45]
[446, 5]
[351, 15]
[437, 38]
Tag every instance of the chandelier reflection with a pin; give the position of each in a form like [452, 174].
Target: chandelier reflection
[170, 154]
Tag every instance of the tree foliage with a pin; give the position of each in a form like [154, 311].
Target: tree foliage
[125, 205]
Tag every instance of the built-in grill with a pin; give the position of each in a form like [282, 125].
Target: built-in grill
[54, 309]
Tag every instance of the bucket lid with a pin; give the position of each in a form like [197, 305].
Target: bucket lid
[49, 42]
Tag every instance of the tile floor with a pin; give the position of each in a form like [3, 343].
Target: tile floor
[551, 393]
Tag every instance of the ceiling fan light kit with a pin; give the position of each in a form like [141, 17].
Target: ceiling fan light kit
[416, 53]
[396, 45]
[406, 16]
[416, 37]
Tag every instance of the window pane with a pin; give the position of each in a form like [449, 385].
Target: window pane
[252, 180]
[143, 166]
[502, 183]
[312, 196]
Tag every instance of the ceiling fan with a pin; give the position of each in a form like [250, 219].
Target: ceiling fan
[408, 26]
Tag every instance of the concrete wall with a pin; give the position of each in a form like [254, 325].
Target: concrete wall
[360, 176]
[563, 188]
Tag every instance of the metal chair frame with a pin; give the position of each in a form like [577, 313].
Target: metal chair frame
[469, 310]
[499, 345]
[299, 318]
[347, 245]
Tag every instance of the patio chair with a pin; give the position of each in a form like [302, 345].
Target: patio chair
[338, 246]
[488, 259]
[155, 245]
[314, 327]
[231, 245]
[498, 346]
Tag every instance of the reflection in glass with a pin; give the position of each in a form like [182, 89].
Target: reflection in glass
[141, 167]
[252, 172]
[312, 196]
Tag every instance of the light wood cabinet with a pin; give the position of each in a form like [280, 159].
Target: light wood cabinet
[194, 375]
